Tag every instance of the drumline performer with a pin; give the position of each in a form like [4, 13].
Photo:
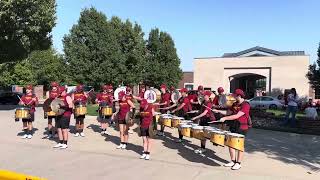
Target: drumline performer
[146, 112]
[52, 94]
[63, 121]
[164, 103]
[28, 100]
[206, 115]
[79, 96]
[194, 98]
[239, 114]
[183, 107]
[216, 101]
[129, 96]
[105, 98]
[125, 105]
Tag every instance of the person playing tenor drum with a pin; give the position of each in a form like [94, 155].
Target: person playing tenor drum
[104, 98]
[164, 103]
[239, 114]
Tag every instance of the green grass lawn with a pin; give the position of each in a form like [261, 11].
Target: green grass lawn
[281, 113]
[92, 110]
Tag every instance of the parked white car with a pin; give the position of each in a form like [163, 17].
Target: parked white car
[265, 102]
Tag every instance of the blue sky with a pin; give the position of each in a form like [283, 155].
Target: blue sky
[206, 28]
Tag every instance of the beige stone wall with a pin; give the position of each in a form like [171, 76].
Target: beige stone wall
[286, 71]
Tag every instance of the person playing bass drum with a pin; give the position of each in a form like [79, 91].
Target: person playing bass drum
[164, 103]
[125, 106]
[104, 98]
[183, 107]
[146, 112]
[63, 121]
[206, 115]
[239, 115]
[52, 94]
[79, 97]
[28, 100]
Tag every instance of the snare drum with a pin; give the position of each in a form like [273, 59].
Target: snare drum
[235, 141]
[51, 113]
[185, 129]
[80, 110]
[22, 113]
[176, 121]
[106, 111]
[217, 137]
[166, 121]
[197, 132]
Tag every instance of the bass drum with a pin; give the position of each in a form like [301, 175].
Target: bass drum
[175, 96]
[116, 92]
[152, 95]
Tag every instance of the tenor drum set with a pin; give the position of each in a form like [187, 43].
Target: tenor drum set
[22, 113]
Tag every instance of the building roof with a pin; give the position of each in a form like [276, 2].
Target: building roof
[261, 51]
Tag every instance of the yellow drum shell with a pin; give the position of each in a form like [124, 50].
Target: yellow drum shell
[157, 118]
[235, 142]
[197, 133]
[51, 113]
[217, 138]
[80, 110]
[106, 111]
[166, 122]
[176, 122]
[22, 113]
[186, 131]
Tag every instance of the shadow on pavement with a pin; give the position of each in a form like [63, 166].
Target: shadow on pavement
[130, 147]
[21, 133]
[286, 147]
[186, 151]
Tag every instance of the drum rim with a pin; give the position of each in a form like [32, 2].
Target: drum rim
[236, 135]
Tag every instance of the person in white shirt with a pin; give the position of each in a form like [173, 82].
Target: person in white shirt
[292, 108]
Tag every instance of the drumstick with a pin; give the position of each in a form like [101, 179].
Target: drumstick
[20, 99]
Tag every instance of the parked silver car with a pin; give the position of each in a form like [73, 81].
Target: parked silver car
[265, 102]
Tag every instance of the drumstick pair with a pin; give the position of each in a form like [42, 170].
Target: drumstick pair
[23, 102]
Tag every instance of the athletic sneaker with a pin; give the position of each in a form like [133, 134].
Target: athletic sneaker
[82, 134]
[29, 136]
[63, 146]
[57, 145]
[130, 131]
[147, 157]
[179, 141]
[105, 132]
[200, 151]
[236, 166]
[230, 164]
[120, 146]
[49, 136]
[77, 135]
[24, 136]
[124, 146]
[143, 156]
[102, 132]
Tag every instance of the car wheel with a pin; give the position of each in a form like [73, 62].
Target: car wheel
[273, 106]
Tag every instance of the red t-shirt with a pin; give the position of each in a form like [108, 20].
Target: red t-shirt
[141, 94]
[105, 98]
[129, 97]
[124, 109]
[165, 98]
[209, 113]
[245, 108]
[80, 97]
[215, 101]
[27, 100]
[53, 94]
[193, 97]
[68, 111]
[146, 116]
[187, 107]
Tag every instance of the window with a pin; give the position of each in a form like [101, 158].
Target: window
[256, 99]
[267, 99]
[189, 86]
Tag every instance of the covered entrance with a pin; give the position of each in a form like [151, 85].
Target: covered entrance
[250, 83]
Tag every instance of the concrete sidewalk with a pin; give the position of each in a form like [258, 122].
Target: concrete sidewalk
[270, 155]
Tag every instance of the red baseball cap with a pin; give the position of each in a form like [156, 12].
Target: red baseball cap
[238, 92]
[79, 87]
[200, 88]
[54, 84]
[62, 89]
[207, 93]
[163, 86]
[29, 87]
[143, 103]
[183, 90]
[220, 90]
[110, 87]
[121, 94]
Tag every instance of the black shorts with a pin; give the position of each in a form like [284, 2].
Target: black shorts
[63, 122]
[121, 121]
[204, 121]
[80, 119]
[144, 132]
[31, 119]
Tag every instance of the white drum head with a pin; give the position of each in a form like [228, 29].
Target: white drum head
[175, 96]
[150, 95]
[116, 92]
[236, 135]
